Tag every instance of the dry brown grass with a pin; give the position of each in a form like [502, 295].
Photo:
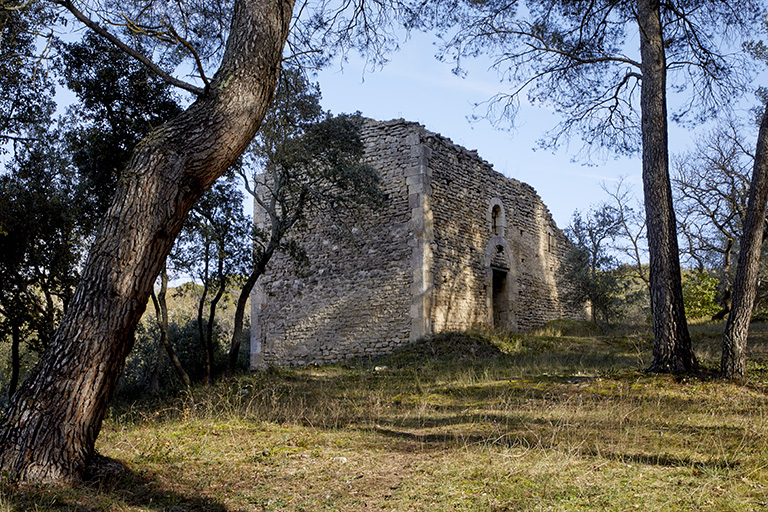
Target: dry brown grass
[462, 422]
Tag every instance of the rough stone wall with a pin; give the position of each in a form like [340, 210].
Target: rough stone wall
[457, 245]
[357, 297]
[525, 245]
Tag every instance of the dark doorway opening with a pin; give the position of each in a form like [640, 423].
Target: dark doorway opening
[500, 299]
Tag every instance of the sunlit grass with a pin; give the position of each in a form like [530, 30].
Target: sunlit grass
[563, 419]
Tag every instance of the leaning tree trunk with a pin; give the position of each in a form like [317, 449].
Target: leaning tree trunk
[733, 364]
[49, 428]
[15, 357]
[237, 332]
[672, 343]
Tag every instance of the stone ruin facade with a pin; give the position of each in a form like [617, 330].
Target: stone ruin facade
[457, 245]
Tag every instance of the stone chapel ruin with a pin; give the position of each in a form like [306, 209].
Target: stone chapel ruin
[457, 245]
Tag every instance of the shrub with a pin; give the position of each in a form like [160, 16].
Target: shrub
[700, 294]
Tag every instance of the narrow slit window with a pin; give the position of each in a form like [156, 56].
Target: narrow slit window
[495, 219]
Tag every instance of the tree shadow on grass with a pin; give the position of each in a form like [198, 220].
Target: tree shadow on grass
[447, 440]
[670, 461]
[127, 490]
[529, 439]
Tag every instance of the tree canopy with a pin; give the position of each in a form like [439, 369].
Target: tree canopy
[235, 51]
[607, 68]
[582, 59]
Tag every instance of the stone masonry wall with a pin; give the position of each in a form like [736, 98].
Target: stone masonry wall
[357, 297]
[526, 245]
[422, 264]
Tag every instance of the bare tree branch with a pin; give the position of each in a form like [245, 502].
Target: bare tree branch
[67, 4]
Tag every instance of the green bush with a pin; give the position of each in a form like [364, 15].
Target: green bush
[700, 294]
[185, 340]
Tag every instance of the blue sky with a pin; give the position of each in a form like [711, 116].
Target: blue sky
[417, 87]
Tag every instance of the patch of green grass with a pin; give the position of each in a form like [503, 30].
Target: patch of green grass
[459, 421]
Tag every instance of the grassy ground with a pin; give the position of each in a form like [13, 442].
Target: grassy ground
[554, 421]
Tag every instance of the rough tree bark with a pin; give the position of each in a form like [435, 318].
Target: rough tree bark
[672, 343]
[733, 364]
[49, 428]
[15, 357]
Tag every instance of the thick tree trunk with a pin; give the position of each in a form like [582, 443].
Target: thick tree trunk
[15, 358]
[733, 364]
[672, 343]
[50, 426]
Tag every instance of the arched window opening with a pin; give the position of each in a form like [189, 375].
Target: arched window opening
[496, 217]
[495, 220]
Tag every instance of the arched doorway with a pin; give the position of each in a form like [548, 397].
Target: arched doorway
[502, 314]
[500, 299]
